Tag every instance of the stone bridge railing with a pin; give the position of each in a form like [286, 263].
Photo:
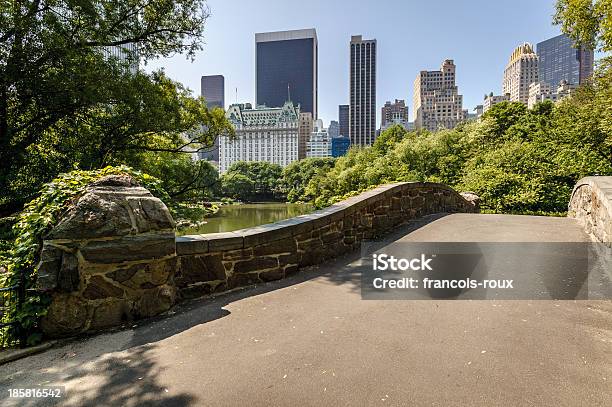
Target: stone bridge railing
[114, 257]
[591, 204]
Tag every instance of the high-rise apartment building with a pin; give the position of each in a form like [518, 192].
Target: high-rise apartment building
[319, 142]
[262, 134]
[521, 71]
[436, 99]
[362, 111]
[286, 68]
[304, 131]
[392, 113]
[213, 90]
[343, 118]
[491, 100]
[560, 61]
[541, 91]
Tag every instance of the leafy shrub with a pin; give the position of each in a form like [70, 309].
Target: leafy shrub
[36, 220]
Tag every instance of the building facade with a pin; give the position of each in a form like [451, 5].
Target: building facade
[393, 113]
[286, 68]
[340, 146]
[343, 119]
[559, 60]
[436, 99]
[319, 143]
[334, 129]
[262, 134]
[212, 89]
[541, 91]
[491, 100]
[521, 71]
[127, 55]
[304, 131]
[362, 110]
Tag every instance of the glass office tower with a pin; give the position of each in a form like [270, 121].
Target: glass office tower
[286, 67]
[559, 60]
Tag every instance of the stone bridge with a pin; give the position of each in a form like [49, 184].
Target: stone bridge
[309, 338]
[114, 257]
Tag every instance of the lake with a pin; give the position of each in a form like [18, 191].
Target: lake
[242, 216]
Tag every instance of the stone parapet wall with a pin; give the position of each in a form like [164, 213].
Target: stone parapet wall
[114, 257]
[591, 204]
[221, 261]
[110, 259]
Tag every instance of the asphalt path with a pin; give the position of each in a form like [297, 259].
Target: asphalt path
[312, 340]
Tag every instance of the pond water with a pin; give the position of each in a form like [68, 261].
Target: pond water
[241, 216]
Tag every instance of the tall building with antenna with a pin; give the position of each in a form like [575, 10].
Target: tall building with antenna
[286, 67]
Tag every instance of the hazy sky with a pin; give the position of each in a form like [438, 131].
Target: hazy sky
[412, 36]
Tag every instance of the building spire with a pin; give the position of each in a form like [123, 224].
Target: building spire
[288, 92]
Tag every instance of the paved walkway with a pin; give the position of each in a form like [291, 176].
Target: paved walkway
[312, 340]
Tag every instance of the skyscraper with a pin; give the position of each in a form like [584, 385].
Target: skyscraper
[560, 61]
[286, 67]
[362, 112]
[393, 113]
[213, 90]
[521, 71]
[333, 129]
[436, 99]
[343, 118]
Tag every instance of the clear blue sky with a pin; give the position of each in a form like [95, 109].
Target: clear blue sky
[412, 36]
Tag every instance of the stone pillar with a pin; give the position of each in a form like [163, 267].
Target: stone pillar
[110, 259]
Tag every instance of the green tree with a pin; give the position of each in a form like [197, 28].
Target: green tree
[588, 22]
[65, 102]
[252, 180]
[297, 175]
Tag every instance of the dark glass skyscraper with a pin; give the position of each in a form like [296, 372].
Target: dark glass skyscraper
[213, 90]
[362, 120]
[343, 118]
[558, 60]
[287, 63]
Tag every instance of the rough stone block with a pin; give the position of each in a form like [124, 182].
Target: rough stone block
[272, 275]
[110, 314]
[224, 241]
[155, 301]
[267, 233]
[98, 288]
[195, 244]
[276, 247]
[194, 269]
[68, 279]
[94, 216]
[255, 264]
[48, 268]
[241, 280]
[150, 214]
[130, 248]
[67, 315]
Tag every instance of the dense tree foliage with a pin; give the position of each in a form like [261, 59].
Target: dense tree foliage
[66, 102]
[517, 160]
[588, 22]
[252, 181]
[298, 174]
